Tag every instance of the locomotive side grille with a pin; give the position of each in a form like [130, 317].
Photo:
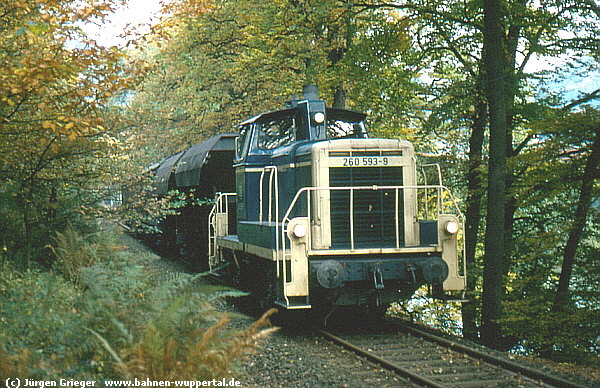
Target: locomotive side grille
[373, 211]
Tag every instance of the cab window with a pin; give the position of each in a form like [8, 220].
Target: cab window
[342, 123]
[276, 132]
[242, 141]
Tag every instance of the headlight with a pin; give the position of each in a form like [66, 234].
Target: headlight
[451, 227]
[319, 117]
[299, 230]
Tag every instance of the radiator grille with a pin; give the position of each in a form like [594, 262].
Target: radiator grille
[373, 210]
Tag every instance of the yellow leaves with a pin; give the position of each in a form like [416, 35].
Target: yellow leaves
[48, 62]
[65, 126]
[19, 71]
[54, 82]
[44, 141]
[23, 5]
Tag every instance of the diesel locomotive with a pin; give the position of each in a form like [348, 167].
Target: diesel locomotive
[313, 213]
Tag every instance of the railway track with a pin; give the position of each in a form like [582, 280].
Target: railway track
[432, 361]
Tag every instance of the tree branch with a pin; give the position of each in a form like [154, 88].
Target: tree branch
[586, 98]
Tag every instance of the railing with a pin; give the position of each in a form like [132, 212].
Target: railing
[273, 193]
[218, 226]
[444, 204]
[438, 171]
[418, 206]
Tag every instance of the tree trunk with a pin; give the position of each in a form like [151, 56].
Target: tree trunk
[590, 173]
[339, 98]
[511, 88]
[475, 191]
[497, 72]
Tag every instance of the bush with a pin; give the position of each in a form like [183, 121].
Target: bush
[422, 309]
[564, 336]
[74, 252]
[39, 318]
[113, 317]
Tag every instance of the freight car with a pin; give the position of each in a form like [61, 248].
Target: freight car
[193, 176]
[322, 215]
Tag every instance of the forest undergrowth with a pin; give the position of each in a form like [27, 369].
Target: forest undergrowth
[105, 312]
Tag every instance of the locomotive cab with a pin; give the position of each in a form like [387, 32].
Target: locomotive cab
[327, 216]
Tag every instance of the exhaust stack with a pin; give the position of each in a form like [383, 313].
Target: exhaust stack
[311, 92]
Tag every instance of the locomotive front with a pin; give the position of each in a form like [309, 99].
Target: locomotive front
[326, 216]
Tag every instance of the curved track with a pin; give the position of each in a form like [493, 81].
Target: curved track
[432, 361]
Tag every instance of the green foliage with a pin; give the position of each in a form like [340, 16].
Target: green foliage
[118, 317]
[74, 252]
[11, 230]
[57, 130]
[179, 199]
[218, 64]
[39, 315]
[565, 336]
[144, 212]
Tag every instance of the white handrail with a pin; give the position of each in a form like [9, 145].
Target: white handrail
[273, 192]
[308, 190]
[282, 250]
[221, 206]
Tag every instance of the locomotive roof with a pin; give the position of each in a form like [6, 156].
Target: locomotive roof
[337, 112]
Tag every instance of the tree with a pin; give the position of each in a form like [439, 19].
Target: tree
[450, 32]
[497, 80]
[56, 85]
[553, 307]
[217, 65]
[588, 122]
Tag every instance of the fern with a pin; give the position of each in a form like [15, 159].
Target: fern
[99, 316]
[12, 365]
[203, 354]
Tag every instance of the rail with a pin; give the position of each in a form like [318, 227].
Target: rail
[438, 171]
[441, 207]
[439, 362]
[273, 193]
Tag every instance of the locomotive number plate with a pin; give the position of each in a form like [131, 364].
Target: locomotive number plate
[365, 161]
